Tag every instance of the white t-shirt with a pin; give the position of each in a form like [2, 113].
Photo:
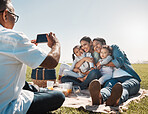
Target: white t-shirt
[118, 72]
[106, 71]
[86, 65]
[16, 51]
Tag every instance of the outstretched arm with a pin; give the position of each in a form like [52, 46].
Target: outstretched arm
[52, 60]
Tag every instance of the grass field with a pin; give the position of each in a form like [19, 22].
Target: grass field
[134, 108]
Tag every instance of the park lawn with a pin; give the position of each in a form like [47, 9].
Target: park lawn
[138, 108]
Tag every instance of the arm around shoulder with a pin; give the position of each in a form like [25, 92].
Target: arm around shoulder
[118, 55]
[106, 60]
[80, 62]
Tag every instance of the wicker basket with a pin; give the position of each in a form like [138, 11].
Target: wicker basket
[40, 76]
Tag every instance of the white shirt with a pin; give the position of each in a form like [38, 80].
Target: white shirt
[118, 72]
[86, 65]
[16, 52]
[106, 71]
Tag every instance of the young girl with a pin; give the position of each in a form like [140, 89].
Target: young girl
[80, 72]
[105, 54]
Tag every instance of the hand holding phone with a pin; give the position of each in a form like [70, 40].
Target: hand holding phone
[50, 38]
[41, 38]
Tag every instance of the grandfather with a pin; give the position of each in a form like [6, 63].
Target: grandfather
[16, 52]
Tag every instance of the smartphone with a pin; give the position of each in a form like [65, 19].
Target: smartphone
[41, 38]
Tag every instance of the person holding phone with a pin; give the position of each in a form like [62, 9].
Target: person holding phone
[16, 52]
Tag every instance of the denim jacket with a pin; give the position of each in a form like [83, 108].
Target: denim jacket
[120, 60]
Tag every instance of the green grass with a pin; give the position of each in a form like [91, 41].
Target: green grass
[65, 110]
[28, 74]
[138, 108]
[142, 70]
[133, 108]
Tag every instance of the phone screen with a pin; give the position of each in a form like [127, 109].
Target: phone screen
[41, 38]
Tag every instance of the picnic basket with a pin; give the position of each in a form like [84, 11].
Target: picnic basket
[40, 76]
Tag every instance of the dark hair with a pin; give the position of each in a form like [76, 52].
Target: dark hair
[4, 4]
[73, 55]
[108, 48]
[102, 40]
[86, 38]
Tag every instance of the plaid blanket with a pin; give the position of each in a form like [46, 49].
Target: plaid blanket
[83, 100]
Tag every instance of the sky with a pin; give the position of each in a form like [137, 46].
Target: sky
[120, 22]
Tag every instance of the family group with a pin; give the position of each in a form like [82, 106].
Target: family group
[104, 69]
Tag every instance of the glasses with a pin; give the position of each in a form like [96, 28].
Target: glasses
[16, 17]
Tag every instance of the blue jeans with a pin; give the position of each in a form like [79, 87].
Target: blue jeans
[44, 102]
[94, 74]
[130, 86]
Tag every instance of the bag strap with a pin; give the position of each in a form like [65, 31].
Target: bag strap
[43, 73]
[36, 74]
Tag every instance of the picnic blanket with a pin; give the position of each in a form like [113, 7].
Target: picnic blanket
[83, 100]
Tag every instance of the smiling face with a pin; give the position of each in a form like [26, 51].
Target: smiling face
[85, 46]
[97, 46]
[104, 53]
[81, 51]
[78, 51]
